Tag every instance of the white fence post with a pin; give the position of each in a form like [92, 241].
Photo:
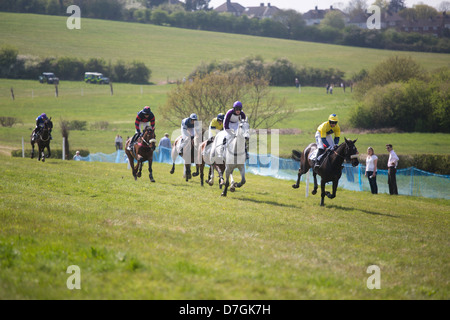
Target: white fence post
[307, 185]
[23, 148]
[64, 149]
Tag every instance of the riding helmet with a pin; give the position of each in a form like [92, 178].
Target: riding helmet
[220, 117]
[333, 117]
[237, 105]
[147, 110]
[193, 116]
[44, 116]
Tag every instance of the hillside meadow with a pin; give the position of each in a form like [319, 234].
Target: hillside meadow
[177, 240]
[173, 53]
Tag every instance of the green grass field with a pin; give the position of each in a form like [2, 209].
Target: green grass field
[173, 53]
[137, 240]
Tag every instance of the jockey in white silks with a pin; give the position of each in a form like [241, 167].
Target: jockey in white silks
[231, 122]
[188, 131]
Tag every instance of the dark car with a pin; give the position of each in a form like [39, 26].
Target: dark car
[48, 77]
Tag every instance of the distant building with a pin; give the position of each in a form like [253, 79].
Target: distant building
[313, 17]
[231, 7]
[262, 11]
[433, 26]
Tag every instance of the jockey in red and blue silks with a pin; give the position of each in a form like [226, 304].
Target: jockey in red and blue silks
[144, 118]
[40, 124]
[231, 122]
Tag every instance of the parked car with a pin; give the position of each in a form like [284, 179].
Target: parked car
[95, 77]
[48, 77]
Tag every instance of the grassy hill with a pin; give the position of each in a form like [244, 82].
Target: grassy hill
[172, 53]
[137, 240]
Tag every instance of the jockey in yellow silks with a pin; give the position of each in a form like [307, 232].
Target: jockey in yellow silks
[324, 138]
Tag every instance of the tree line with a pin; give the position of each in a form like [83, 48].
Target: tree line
[15, 66]
[286, 24]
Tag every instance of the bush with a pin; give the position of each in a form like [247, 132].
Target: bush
[100, 125]
[77, 125]
[8, 121]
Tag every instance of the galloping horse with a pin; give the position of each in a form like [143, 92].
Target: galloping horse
[235, 155]
[189, 149]
[142, 151]
[205, 154]
[42, 140]
[331, 167]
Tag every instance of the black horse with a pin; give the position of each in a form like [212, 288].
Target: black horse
[331, 168]
[42, 139]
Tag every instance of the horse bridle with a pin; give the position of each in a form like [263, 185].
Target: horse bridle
[150, 141]
[349, 157]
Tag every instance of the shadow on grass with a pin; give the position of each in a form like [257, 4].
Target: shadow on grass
[332, 206]
[274, 203]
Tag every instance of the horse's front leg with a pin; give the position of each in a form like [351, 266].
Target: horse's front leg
[139, 168]
[323, 192]
[210, 180]
[297, 184]
[202, 166]
[333, 195]
[242, 182]
[227, 183]
[188, 172]
[196, 173]
[32, 150]
[49, 152]
[315, 183]
[150, 171]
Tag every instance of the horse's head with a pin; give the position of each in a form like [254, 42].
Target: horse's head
[351, 153]
[149, 137]
[244, 129]
[48, 124]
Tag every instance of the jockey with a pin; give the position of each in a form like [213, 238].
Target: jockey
[324, 139]
[215, 126]
[231, 122]
[142, 121]
[39, 125]
[187, 131]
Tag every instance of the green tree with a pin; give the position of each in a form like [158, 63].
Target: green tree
[8, 58]
[333, 19]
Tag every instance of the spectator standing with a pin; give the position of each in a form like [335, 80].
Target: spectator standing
[165, 142]
[77, 156]
[371, 170]
[117, 142]
[392, 169]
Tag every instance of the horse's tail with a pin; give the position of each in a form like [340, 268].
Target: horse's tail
[296, 155]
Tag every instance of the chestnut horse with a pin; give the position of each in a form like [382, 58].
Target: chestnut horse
[330, 169]
[142, 151]
[42, 140]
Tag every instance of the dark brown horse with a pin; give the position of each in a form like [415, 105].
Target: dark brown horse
[142, 151]
[331, 168]
[189, 149]
[43, 140]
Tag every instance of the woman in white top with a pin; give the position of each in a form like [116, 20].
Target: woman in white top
[371, 170]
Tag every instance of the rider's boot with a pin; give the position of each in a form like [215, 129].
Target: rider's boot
[130, 146]
[317, 160]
